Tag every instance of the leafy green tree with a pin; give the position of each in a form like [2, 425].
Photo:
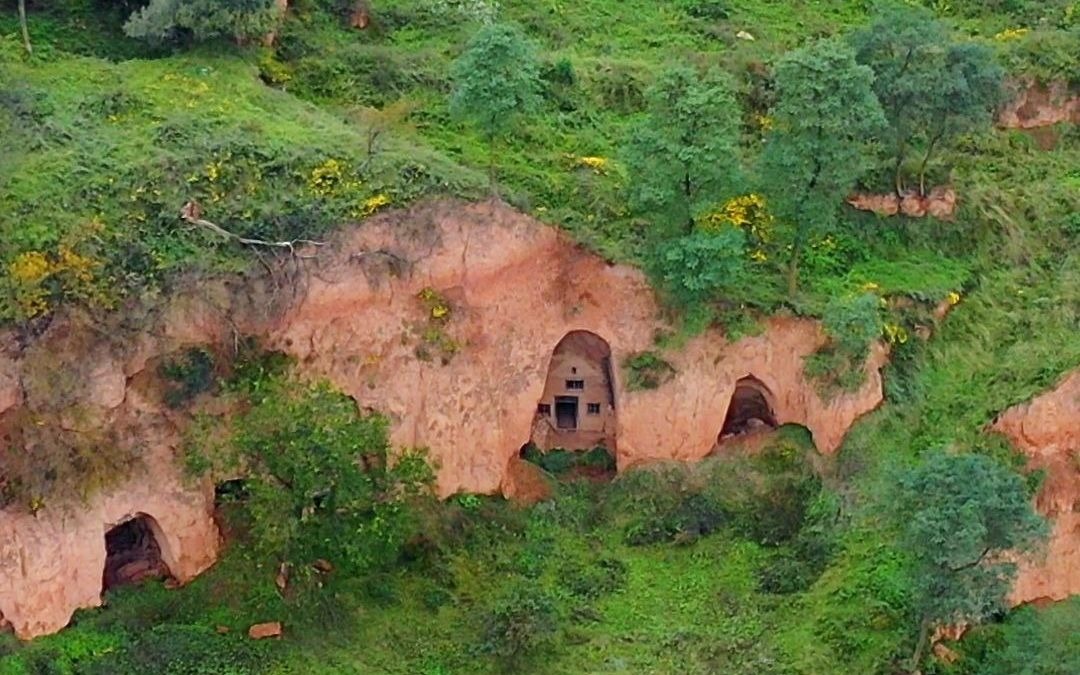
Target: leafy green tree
[825, 113]
[321, 481]
[239, 19]
[959, 515]
[965, 99]
[929, 86]
[496, 81]
[695, 268]
[682, 158]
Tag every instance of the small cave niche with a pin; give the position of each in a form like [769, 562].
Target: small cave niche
[750, 410]
[133, 554]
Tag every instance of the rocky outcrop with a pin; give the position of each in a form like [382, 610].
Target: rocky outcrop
[52, 563]
[444, 317]
[514, 289]
[1038, 105]
[1047, 430]
[939, 203]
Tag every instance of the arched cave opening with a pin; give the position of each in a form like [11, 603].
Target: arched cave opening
[133, 554]
[750, 410]
[577, 408]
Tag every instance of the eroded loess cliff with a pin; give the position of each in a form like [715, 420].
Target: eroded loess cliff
[1047, 430]
[444, 317]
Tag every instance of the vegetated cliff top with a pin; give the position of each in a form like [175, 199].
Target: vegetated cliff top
[114, 135]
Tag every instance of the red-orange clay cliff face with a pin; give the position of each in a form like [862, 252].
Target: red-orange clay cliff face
[445, 318]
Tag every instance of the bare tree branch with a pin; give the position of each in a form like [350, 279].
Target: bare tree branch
[192, 213]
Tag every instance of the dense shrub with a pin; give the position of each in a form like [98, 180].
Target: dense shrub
[188, 375]
[594, 578]
[646, 370]
[166, 19]
[519, 625]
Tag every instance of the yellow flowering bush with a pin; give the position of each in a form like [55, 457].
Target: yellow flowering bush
[330, 179]
[1012, 34]
[372, 204]
[749, 213]
[598, 165]
[28, 272]
[953, 298]
[36, 279]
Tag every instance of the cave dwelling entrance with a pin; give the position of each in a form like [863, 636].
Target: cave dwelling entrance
[750, 410]
[133, 553]
[576, 411]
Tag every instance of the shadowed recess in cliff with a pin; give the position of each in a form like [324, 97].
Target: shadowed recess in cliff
[577, 408]
[751, 409]
[133, 553]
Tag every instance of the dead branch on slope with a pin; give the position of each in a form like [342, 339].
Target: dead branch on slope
[192, 213]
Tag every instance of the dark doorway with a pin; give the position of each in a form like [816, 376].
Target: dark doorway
[132, 554]
[566, 412]
[750, 409]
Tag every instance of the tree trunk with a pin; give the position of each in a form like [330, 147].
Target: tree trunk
[925, 161]
[898, 179]
[920, 646]
[25, 29]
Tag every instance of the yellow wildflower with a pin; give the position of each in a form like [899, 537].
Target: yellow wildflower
[374, 203]
[895, 333]
[30, 267]
[326, 178]
[953, 297]
[598, 165]
[1012, 34]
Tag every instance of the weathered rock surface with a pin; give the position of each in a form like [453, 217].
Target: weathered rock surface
[1039, 105]
[51, 564]
[464, 384]
[939, 203]
[1047, 429]
[261, 631]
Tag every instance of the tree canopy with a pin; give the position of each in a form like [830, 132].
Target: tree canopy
[694, 268]
[204, 19]
[825, 111]
[959, 515]
[496, 80]
[321, 481]
[930, 85]
[683, 156]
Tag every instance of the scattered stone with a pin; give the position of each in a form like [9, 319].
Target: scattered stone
[281, 580]
[323, 565]
[270, 629]
[221, 630]
[743, 35]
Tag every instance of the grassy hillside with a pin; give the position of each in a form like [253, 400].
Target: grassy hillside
[104, 138]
